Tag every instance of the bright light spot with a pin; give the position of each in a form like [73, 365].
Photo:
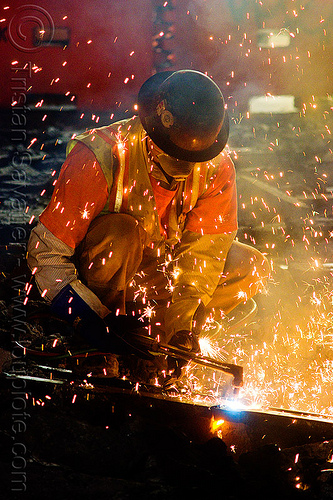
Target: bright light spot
[176, 273]
[216, 424]
[85, 214]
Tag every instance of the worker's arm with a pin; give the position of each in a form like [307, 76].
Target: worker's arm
[200, 257]
[79, 195]
[50, 260]
[198, 268]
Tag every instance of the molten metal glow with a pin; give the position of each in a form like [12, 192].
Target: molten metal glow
[216, 424]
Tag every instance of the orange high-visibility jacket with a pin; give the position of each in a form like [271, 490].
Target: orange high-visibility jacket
[107, 170]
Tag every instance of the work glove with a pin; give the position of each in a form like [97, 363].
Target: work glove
[111, 334]
[186, 341]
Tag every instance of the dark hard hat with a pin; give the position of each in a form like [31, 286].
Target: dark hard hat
[183, 112]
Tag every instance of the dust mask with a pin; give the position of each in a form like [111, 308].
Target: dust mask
[177, 169]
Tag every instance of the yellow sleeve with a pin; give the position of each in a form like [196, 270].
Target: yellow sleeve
[198, 266]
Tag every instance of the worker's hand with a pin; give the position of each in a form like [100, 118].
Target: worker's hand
[121, 324]
[106, 335]
[186, 341]
[116, 334]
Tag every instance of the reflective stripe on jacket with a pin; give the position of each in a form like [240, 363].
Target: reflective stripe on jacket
[120, 150]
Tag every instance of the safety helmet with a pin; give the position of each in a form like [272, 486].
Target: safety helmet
[184, 114]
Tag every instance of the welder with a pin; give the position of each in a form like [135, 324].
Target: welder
[143, 219]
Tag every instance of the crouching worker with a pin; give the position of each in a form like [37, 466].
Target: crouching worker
[143, 219]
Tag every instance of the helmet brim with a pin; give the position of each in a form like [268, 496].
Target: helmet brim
[146, 103]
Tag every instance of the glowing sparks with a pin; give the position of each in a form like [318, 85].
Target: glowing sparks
[176, 273]
[140, 292]
[242, 295]
[206, 346]
[85, 214]
[148, 312]
[209, 348]
[315, 300]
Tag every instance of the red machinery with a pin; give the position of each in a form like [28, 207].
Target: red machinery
[96, 58]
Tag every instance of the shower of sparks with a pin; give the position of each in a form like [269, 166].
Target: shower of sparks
[141, 292]
[210, 348]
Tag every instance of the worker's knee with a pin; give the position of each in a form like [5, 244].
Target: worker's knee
[259, 264]
[112, 229]
[244, 260]
[113, 244]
